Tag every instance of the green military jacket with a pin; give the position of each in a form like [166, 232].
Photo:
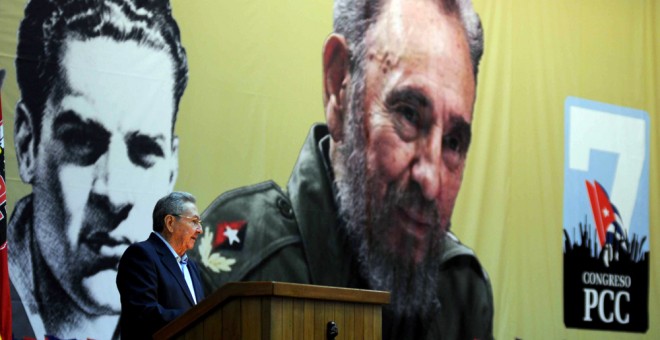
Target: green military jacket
[262, 233]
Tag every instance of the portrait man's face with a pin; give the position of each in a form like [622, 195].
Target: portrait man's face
[106, 153]
[400, 153]
[418, 102]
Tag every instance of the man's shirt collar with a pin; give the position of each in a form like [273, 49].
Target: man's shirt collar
[179, 259]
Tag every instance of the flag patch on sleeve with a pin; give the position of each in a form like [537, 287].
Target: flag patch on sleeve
[230, 235]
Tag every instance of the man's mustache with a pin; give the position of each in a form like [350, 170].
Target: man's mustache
[412, 199]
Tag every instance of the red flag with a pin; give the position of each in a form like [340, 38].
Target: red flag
[601, 207]
[5, 298]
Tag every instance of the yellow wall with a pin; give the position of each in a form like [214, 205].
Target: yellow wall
[255, 90]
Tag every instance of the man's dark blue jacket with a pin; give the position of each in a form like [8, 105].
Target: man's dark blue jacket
[152, 288]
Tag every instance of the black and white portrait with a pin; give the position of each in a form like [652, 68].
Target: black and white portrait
[100, 84]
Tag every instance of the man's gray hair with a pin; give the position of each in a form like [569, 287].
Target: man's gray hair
[353, 18]
[172, 204]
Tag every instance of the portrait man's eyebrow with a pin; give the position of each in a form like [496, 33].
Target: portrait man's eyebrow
[100, 84]
[84, 141]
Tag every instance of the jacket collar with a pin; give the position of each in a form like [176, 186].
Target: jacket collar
[170, 262]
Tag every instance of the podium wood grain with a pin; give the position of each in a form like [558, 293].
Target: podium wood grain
[277, 310]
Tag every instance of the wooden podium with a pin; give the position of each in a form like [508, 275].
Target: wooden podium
[276, 310]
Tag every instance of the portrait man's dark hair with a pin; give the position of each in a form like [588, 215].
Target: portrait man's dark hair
[48, 23]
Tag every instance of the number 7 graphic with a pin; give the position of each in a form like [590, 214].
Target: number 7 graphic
[625, 136]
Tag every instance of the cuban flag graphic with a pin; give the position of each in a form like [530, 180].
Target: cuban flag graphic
[611, 234]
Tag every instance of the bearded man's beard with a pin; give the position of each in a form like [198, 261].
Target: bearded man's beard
[386, 253]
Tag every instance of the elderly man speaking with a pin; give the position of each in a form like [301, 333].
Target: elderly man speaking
[156, 281]
[370, 200]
